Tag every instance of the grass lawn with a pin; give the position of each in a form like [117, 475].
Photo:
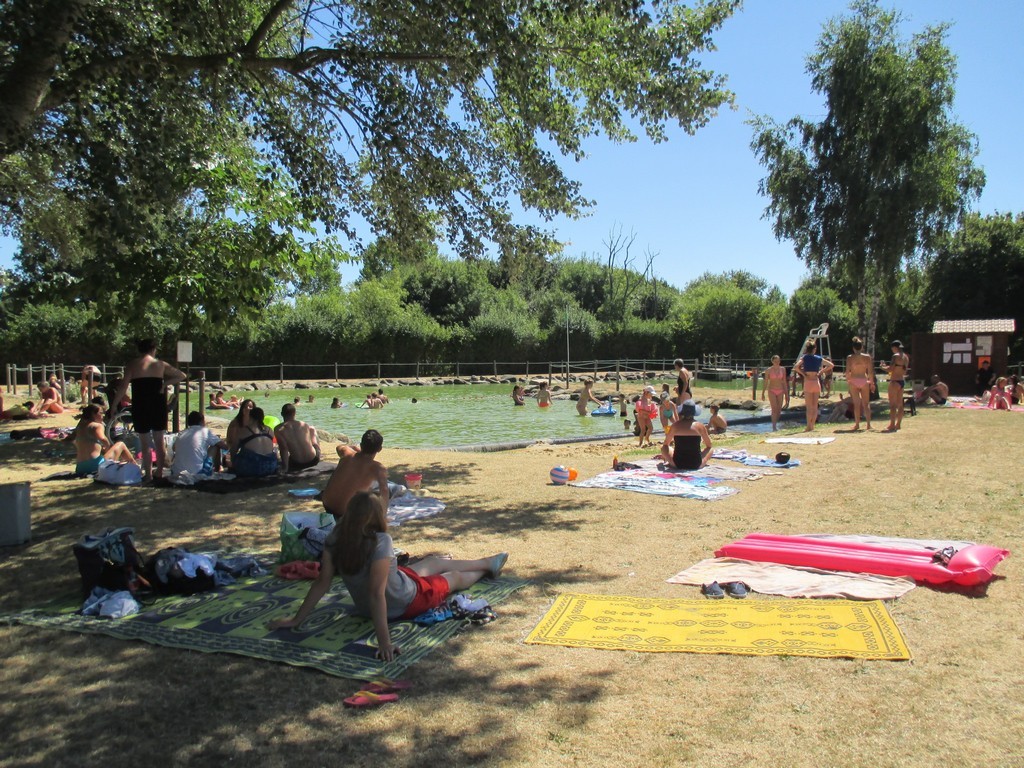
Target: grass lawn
[486, 698]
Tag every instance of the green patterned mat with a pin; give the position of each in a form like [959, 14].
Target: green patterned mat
[233, 620]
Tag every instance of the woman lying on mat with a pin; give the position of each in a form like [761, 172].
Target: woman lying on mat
[360, 550]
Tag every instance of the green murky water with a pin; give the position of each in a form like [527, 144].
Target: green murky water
[446, 416]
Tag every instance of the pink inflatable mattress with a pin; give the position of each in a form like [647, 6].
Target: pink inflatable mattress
[968, 566]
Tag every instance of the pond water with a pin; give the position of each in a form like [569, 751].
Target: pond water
[453, 416]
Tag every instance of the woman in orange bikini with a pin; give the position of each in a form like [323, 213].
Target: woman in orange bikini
[897, 371]
[776, 389]
[860, 381]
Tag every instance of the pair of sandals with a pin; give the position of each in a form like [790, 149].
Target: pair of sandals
[716, 591]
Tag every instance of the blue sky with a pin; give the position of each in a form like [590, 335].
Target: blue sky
[693, 199]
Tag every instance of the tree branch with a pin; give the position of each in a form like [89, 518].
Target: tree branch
[263, 30]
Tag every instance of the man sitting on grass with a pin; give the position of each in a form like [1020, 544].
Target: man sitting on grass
[297, 441]
[358, 470]
[938, 392]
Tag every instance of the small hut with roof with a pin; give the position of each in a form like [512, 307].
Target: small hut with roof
[955, 349]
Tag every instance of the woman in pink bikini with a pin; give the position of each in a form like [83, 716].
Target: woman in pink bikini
[776, 389]
[811, 366]
[861, 382]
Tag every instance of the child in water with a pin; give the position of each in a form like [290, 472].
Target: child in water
[717, 423]
[517, 395]
[543, 396]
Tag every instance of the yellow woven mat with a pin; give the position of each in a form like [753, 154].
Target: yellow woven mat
[834, 628]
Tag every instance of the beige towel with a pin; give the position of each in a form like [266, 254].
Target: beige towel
[793, 581]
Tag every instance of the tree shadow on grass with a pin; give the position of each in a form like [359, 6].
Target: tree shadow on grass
[107, 700]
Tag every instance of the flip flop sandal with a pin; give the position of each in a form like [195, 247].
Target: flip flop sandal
[368, 699]
[383, 685]
[712, 591]
[736, 589]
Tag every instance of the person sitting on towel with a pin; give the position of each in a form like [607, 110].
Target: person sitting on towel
[360, 550]
[683, 441]
[937, 392]
[197, 449]
[357, 470]
[92, 446]
[297, 441]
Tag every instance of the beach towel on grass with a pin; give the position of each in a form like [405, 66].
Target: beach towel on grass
[659, 484]
[233, 620]
[823, 629]
[751, 459]
[718, 472]
[794, 581]
[239, 484]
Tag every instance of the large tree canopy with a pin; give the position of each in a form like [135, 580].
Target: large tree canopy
[886, 172]
[195, 149]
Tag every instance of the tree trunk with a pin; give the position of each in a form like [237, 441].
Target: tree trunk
[44, 33]
[876, 295]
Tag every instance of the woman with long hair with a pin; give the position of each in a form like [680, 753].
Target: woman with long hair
[92, 446]
[238, 425]
[860, 380]
[776, 389]
[810, 367]
[257, 454]
[360, 550]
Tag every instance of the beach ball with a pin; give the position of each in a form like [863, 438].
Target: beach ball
[573, 474]
[559, 475]
[271, 421]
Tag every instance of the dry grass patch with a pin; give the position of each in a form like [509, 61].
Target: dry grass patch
[485, 697]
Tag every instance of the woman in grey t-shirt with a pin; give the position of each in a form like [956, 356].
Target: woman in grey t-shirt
[360, 550]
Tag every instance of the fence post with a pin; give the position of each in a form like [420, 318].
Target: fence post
[202, 391]
[549, 374]
[335, 372]
[176, 409]
[495, 369]
[378, 370]
[220, 377]
[28, 378]
[527, 370]
[7, 384]
[282, 373]
[618, 378]
[417, 370]
[457, 374]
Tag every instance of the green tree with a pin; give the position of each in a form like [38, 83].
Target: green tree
[180, 136]
[887, 171]
[814, 302]
[978, 273]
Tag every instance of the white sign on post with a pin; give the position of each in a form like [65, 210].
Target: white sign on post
[184, 351]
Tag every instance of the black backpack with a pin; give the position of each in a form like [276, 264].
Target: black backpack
[164, 573]
[110, 560]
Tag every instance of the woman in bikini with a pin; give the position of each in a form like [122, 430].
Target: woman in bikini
[810, 367]
[257, 454]
[361, 551]
[897, 371]
[861, 382]
[239, 425]
[776, 389]
[92, 447]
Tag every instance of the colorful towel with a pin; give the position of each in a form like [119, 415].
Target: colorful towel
[826, 629]
[794, 581]
[233, 620]
[687, 486]
[751, 459]
[717, 472]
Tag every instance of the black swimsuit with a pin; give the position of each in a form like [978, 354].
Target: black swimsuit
[687, 452]
[149, 404]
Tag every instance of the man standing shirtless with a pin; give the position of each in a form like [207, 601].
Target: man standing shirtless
[358, 469]
[297, 440]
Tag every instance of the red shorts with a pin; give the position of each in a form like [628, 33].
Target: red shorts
[431, 591]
